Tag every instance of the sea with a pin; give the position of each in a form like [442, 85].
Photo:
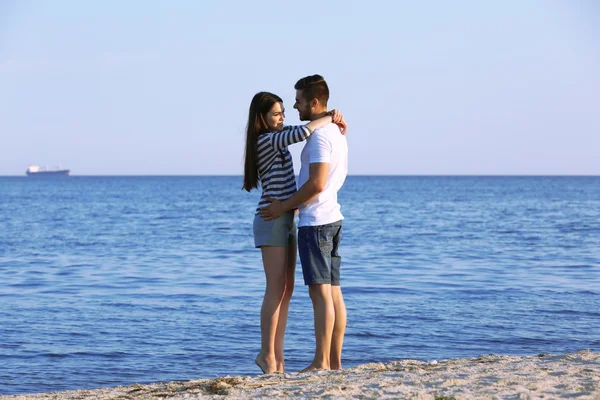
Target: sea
[108, 281]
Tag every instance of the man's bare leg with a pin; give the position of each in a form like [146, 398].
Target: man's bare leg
[274, 263]
[324, 320]
[339, 328]
[292, 256]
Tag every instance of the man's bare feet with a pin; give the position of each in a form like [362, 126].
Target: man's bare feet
[335, 365]
[266, 366]
[280, 367]
[315, 367]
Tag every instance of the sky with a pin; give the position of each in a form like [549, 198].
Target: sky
[427, 87]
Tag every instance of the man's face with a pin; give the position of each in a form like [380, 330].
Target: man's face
[303, 106]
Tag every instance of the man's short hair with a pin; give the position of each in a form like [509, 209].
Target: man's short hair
[314, 87]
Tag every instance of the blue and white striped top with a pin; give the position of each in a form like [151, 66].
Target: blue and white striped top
[275, 165]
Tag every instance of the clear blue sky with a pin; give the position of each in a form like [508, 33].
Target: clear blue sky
[432, 87]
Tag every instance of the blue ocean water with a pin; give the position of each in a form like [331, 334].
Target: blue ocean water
[111, 281]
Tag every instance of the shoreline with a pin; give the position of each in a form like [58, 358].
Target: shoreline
[486, 377]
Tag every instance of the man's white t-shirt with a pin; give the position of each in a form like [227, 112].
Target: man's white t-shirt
[325, 145]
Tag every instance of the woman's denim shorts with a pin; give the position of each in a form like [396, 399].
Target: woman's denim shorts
[278, 232]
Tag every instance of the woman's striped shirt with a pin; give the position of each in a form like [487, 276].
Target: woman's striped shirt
[275, 165]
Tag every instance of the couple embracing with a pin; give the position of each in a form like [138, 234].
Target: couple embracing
[268, 162]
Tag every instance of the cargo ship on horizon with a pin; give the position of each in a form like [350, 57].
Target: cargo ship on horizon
[37, 171]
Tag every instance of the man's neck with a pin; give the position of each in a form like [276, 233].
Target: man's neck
[318, 115]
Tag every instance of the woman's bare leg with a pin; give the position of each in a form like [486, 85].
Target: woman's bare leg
[285, 304]
[275, 264]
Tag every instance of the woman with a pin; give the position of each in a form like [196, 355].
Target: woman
[268, 160]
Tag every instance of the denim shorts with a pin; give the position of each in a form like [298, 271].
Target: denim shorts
[319, 253]
[280, 231]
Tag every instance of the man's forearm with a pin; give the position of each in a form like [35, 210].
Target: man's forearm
[306, 193]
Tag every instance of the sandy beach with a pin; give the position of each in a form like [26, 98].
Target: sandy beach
[546, 376]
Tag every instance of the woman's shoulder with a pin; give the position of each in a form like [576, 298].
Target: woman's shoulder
[264, 136]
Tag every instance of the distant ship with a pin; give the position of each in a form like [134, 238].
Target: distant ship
[37, 171]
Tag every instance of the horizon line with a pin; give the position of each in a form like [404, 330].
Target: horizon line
[359, 175]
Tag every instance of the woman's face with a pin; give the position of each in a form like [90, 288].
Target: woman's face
[275, 117]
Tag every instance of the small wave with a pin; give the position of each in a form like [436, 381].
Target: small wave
[573, 313]
[168, 217]
[368, 335]
[379, 290]
[28, 284]
[55, 355]
[112, 354]
[576, 227]
[581, 266]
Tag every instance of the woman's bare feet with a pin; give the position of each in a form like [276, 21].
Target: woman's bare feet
[267, 366]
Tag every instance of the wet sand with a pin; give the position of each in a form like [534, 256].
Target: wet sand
[575, 375]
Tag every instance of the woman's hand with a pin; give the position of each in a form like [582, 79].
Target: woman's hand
[338, 118]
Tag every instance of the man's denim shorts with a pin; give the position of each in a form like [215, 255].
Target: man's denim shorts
[319, 253]
[280, 231]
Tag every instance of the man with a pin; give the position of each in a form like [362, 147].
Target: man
[322, 174]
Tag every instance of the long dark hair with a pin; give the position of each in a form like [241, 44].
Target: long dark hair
[257, 125]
